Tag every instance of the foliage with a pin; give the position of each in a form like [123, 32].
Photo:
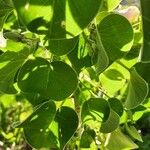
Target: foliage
[79, 70]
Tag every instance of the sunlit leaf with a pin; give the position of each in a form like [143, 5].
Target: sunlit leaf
[10, 62]
[133, 132]
[116, 105]
[62, 46]
[44, 112]
[63, 19]
[111, 123]
[67, 120]
[80, 56]
[119, 141]
[52, 80]
[116, 35]
[112, 4]
[114, 78]
[36, 126]
[95, 109]
[54, 134]
[137, 90]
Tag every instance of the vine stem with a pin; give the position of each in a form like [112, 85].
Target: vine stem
[86, 78]
[89, 90]
[62, 103]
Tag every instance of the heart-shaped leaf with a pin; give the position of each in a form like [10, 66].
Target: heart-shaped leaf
[103, 60]
[98, 109]
[95, 109]
[36, 126]
[63, 19]
[114, 78]
[137, 90]
[52, 80]
[116, 34]
[57, 133]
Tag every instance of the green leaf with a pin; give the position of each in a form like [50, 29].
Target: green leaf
[95, 109]
[5, 9]
[103, 60]
[57, 133]
[79, 56]
[116, 35]
[112, 4]
[101, 15]
[138, 112]
[143, 70]
[52, 80]
[7, 101]
[62, 46]
[132, 57]
[34, 98]
[116, 105]
[111, 123]
[13, 46]
[120, 141]
[133, 132]
[113, 79]
[10, 62]
[36, 126]
[63, 19]
[145, 54]
[67, 120]
[41, 117]
[137, 90]
[87, 138]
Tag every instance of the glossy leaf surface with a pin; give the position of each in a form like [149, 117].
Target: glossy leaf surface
[49, 79]
[63, 19]
[116, 35]
[137, 90]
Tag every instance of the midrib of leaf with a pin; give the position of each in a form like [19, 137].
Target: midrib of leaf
[47, 79]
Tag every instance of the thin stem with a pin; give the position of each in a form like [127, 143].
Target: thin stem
[62, 103]
[86, 78]
[92, 93]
